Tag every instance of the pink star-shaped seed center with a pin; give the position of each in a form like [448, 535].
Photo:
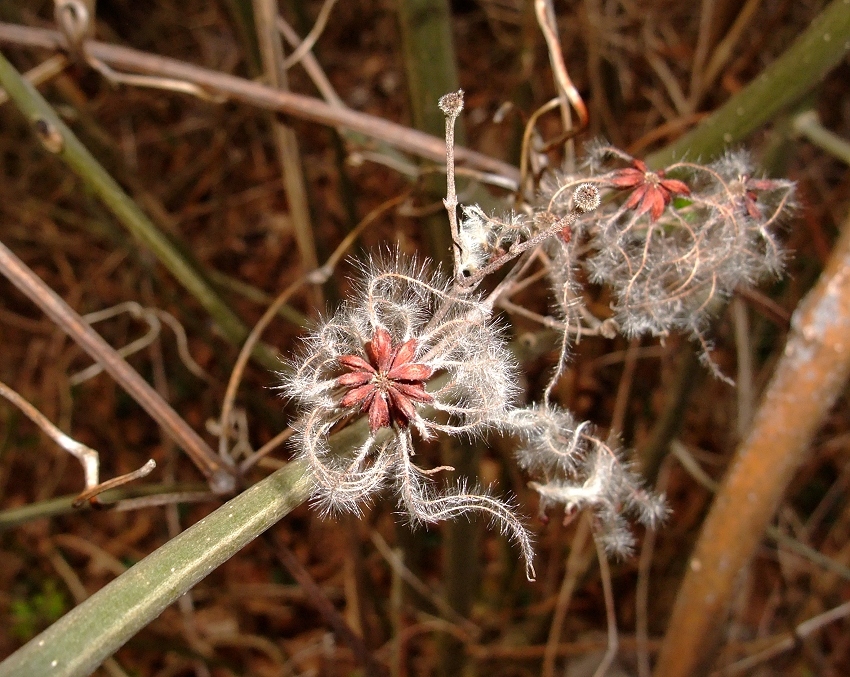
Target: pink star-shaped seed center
[651, 192]
[388, 384]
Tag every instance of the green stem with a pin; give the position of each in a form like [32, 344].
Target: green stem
[58, 138]
[805, 63]
[84, 637]
[808, 125]
[64, 505]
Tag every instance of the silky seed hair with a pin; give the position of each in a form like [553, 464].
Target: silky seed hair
[413, 354]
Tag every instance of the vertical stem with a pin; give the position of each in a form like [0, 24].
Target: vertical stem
[460, 556]
[744, 354]
[577, 563]
[666, 427]
[271, 50]
[397, 619]
[452, 105]
[610, 612]
[430, 64]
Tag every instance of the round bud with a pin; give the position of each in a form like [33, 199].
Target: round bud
[586, 198]
[452, 104]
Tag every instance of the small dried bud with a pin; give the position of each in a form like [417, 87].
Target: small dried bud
[544, 220]
[452, 104]
[586, 198]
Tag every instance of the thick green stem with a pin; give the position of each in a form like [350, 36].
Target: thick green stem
[82, 639]
[805, 63]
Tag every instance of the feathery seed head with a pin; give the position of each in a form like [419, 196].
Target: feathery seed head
[406, 353]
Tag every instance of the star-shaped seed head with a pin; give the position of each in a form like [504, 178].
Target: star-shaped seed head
[651, 191]
[387, 384]
[747, 190]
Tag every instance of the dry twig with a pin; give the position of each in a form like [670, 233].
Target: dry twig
[808, 379]
[219, 475]
[261, 96]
